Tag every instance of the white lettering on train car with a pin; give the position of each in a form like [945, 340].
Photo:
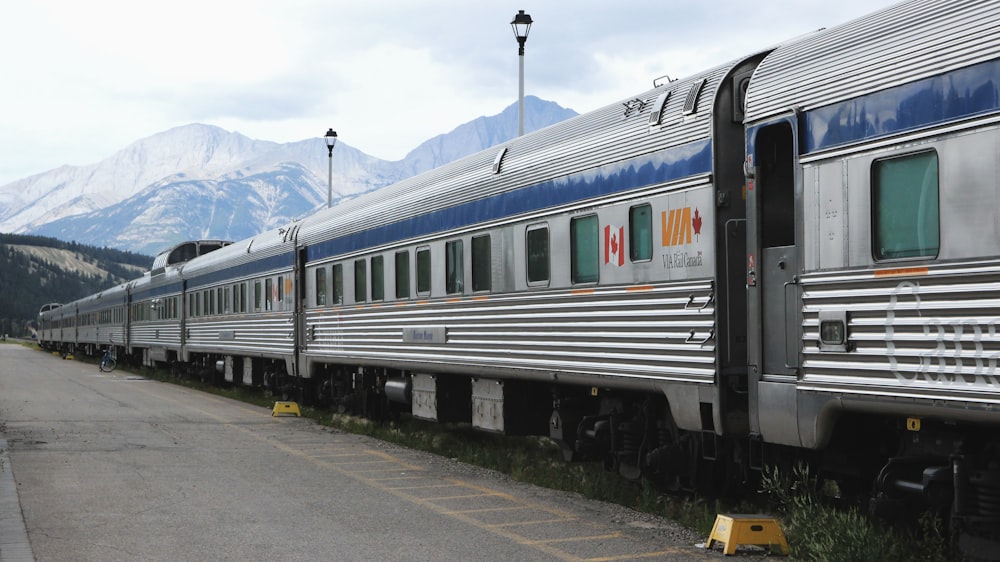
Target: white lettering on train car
[954, 351]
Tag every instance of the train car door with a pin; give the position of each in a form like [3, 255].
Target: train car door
[774, 297]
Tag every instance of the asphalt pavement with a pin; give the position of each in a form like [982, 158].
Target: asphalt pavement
[112, 466]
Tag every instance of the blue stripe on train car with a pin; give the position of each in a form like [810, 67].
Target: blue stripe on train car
[283, 261]
[649, 169]
[960, 94]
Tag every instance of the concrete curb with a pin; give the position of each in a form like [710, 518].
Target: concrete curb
[14, 544]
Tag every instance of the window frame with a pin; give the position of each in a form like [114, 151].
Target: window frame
[377, 275]
[401, 261]
[878, 219]
[425, 269]
[635, 235]
[592, 275]
[320, 289]
[361, 280]
[454, 267]
[482, 266]
[528, 260]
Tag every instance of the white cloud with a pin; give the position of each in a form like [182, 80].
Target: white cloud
[84, 79]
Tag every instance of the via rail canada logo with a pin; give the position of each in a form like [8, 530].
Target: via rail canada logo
[678, 228]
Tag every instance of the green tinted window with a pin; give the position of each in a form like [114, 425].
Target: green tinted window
[537, 254]
[481, 263]
[454, 267]
[423, 271]
[640, 232]
[321, 287]
[360, 281]
[905, 207]
[378, 278]
[402, 275]
[338, 284]
[584, 249]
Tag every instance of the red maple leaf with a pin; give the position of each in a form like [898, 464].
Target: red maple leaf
[696, 222]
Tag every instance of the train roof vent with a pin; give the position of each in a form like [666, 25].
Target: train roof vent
[498, 160]
[656, 114]
[691, 103]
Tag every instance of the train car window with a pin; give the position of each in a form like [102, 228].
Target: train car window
[403, 274]
[227, 306]
[338, 284]
[423, 271]
[583, 241]
[536, 254]
[281, 288]
[242, 298]
[210, 302]
[268, 292]
[360, 280]
[321, 286]
[256, 296]
[481, 263]
[454, 267]
[378, 278]
[640, 233]
[905, 221]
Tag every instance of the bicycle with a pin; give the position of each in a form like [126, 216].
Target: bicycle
[108, 362]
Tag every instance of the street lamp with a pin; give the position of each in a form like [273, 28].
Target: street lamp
[521, 24]
[331, 141]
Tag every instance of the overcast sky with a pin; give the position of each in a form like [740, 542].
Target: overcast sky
[83, 79]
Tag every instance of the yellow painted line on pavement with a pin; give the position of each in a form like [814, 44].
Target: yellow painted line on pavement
[465, 516]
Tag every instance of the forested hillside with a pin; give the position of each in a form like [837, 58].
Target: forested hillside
[35, 270]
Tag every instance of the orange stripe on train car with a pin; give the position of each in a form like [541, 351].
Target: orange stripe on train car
[639, 288]
[896, 272]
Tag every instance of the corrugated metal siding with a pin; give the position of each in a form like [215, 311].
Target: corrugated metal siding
[157, 334]
[656, 334]
[903, 43]
[932, 336]
[579, 144]
[258, 335]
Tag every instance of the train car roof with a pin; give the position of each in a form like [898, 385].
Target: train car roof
[114, 296]
[900, 44]
[268, 251]
[150, 286]
[626, 145]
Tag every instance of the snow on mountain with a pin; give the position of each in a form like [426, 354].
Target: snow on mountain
[200, 181]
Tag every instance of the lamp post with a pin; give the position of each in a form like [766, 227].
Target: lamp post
[331, 141]
[521, 24]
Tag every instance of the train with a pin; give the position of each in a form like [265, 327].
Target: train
[794, 255]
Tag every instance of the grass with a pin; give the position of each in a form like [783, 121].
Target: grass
[816, 530]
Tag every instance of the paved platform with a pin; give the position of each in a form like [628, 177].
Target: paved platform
[14, 544]
[112, 466]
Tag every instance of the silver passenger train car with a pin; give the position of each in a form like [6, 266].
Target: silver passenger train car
[794, 255]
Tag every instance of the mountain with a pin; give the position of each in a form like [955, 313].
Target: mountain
[42, 270]
[200, 181]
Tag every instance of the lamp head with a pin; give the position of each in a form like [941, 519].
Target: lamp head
[521, 24]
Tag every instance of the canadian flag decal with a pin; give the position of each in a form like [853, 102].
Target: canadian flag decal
[614, 245]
